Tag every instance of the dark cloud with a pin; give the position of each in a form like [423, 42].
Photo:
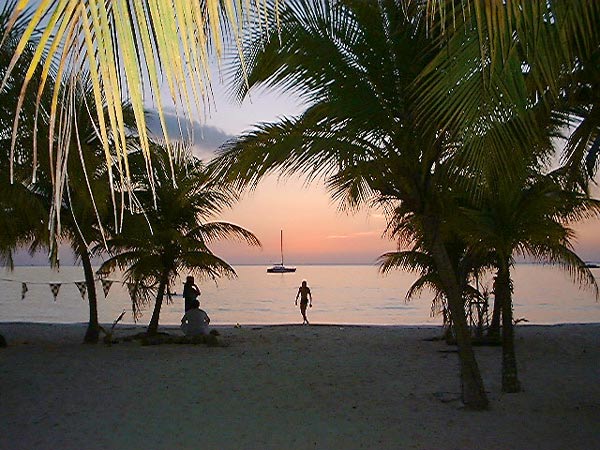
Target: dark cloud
[205, 139]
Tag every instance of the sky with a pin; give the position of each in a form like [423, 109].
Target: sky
[315, 230]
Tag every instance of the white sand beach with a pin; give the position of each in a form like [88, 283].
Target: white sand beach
[293, 387]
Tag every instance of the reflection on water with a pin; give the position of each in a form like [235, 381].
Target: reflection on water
[341, 294]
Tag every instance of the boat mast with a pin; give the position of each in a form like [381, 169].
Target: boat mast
[281, 245]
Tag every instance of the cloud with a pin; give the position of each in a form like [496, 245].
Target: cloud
[205, 139]
[358, 234]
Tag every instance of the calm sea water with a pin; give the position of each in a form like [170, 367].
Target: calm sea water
[341, 294]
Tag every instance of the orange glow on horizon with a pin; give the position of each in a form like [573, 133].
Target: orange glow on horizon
[314, 230]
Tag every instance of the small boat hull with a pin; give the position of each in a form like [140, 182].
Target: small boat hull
[281, 269]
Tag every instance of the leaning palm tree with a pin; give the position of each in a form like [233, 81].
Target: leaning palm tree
[349, 62]
[163, 240]
[526, 216]
[22, 220]
[86, 206]
[469, 267]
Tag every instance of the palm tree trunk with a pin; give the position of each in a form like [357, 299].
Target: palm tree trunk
[510, 379]
[93, 330]
[473, 391]
[494, 329]
[153, 325]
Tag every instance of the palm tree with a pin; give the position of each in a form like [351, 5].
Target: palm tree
[126, 46]
[354, 63]
[30, 196]
[160, 242]
[525, 215]
[22, 218]
[503, 60]
[84, 206]
[468, 267]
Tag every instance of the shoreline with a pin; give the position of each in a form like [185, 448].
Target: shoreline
[40, 329]
[298, 387]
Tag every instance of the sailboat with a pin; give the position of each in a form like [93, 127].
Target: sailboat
[280, 268]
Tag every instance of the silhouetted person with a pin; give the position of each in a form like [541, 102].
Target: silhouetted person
[195, 321]
[304, 294]
[190, 292]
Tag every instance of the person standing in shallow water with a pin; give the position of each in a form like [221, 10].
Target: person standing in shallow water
[190, 292]
[304, 294]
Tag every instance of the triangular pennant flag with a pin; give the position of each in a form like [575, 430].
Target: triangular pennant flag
[106, 284]
[82, 288]
[55, 287]
[23, 290]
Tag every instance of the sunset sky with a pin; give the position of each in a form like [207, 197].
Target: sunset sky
[315, 231]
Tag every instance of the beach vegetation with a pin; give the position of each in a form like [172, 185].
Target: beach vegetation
[514, 75]
[348, 62]
[27, 191]
[526, 217]
[127, 48]
[169, 232]
[418, 111]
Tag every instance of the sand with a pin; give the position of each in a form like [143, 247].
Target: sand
[294, 387]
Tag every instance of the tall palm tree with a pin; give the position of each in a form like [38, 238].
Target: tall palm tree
[84, 202]
[31, 194]
[22, 219]
[526, 216]
[354, 63]
[160, 242]
[86, 206]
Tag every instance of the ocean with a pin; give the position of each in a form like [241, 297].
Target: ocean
[342, 294]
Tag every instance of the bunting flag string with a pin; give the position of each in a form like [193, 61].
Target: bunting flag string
[55, 287]
[106, 284]
[28, 282]
[82, 288]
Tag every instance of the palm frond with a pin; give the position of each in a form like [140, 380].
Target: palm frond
[127, 47]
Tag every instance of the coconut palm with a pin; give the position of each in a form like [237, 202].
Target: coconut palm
[526, 215]
[127, 46]
[469, 267]
[30, 196]
[500, 60]
[84, 206]
[173, 236]
[354, 63]
[22, 218]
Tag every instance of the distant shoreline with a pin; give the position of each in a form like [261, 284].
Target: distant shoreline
[267, 264]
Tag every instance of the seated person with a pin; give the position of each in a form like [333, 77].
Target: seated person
[195, 321]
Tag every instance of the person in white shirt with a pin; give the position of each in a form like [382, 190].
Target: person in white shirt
[195, 321]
